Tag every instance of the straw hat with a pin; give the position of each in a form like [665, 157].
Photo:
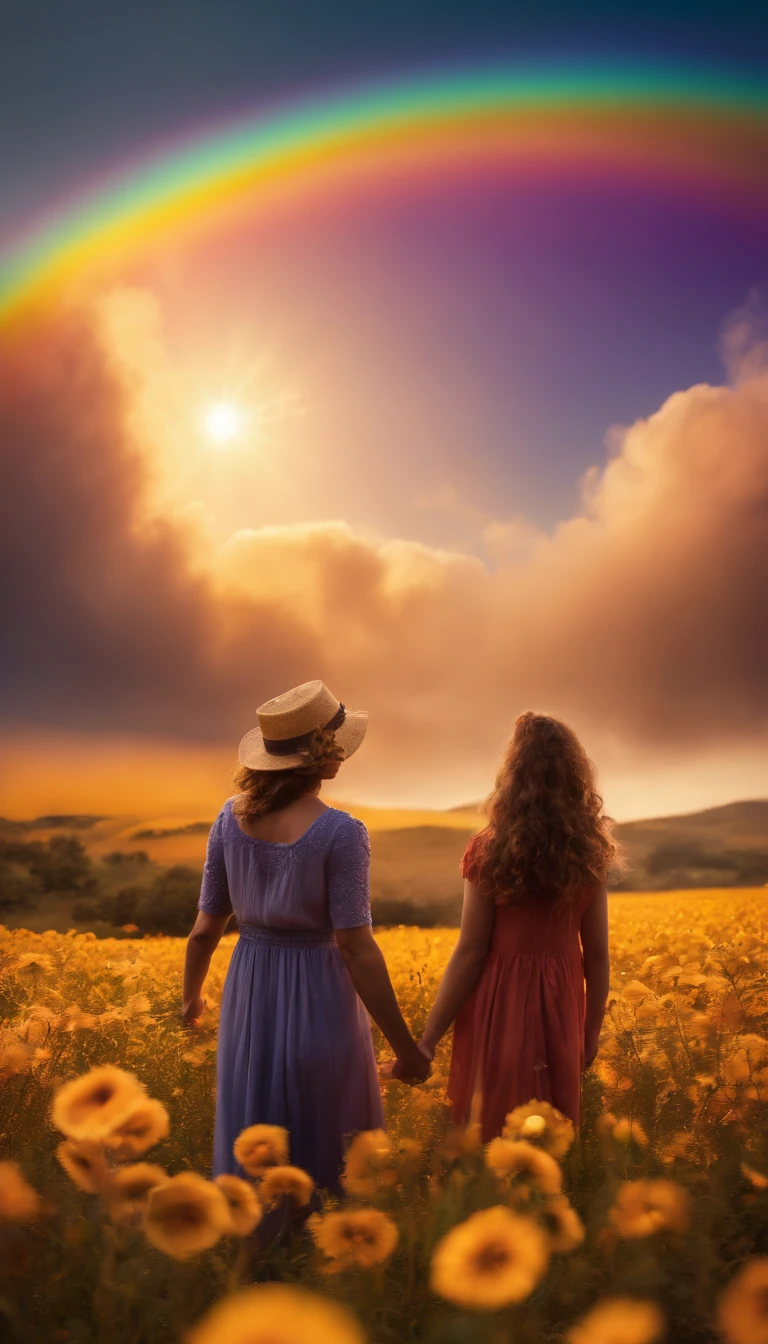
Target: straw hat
[286, 723]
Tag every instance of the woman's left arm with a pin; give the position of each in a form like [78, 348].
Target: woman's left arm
[597, 970]
[201, 945]
[463, 970]
[214, 909]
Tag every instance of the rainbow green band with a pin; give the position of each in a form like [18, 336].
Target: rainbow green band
[700, 131]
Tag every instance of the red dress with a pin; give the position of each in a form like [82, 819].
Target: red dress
[520, 1035]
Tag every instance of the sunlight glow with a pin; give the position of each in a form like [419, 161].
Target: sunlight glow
[223, 422]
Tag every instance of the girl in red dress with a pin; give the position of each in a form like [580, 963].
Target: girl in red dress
[534, 926]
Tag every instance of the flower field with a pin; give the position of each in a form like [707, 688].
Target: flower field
[650, 1224]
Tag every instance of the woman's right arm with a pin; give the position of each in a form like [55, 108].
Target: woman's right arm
[368, 972]
[463, 970]
[597, 970]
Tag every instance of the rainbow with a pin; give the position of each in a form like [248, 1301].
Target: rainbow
[689, 131]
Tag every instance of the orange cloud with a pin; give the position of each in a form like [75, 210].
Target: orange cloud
[641, 620]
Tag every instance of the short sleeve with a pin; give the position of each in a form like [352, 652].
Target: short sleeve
[214, 889]
[472, 860]
[348, 868]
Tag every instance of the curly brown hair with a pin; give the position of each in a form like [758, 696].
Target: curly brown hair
[546, 835]
[263, 791]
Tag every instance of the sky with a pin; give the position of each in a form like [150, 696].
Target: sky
[502, 444]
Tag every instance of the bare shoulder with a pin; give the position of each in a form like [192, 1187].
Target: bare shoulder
[593, 927]
[595, 895]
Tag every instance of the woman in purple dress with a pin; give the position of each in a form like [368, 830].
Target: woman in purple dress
[295, 1044]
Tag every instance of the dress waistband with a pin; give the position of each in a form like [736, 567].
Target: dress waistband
[259, 933]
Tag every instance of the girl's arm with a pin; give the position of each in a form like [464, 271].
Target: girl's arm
[201, 945]
[214, 909]
[369, 974]
[348, 874]
[463, 970]
[597, 970]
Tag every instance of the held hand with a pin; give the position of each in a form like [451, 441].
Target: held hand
[427, 1048]
[192, 1010]
[413, 1068]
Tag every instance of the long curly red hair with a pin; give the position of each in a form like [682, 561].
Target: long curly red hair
[546, 835]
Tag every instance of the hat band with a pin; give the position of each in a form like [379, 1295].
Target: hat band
[286, 746]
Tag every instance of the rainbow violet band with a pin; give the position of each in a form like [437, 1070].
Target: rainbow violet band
[700, 132]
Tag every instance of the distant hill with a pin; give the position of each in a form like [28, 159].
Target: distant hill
[164, 832]
[720, 847]
[417, 867]
[60, 822]
[734, 824]
[415, 861]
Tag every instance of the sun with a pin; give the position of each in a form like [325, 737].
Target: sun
[223, 422]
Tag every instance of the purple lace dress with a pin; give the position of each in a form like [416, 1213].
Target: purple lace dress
[295, 1044]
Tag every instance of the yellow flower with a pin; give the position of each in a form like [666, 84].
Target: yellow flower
[563, 1225]
[644, 1207]
[755, 1178]
[289, 1182]
[628, 1131]
[186, 1214]
[556, 1134]
[681, 1145]
[129, 1190]
[244, 1206]
[19, 1203]
[261, 1146]
[14, 1056]
[33, 1031]
[369, 1163]
[272, 1313]
[197, 1055]
[461, 1142]
[635, 991]
[493, 1258]
[742, 1310]
[752, 1054]
[362, 1237]
[373, 1160]
[618, 1320]
[605, 1124]
[145, 1124]
[32, 964]
[90, 1106]
[506, 1158]
[408, 1156]
[77, 1018]
[85, 1163]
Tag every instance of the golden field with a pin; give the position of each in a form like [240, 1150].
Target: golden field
[651, 1223]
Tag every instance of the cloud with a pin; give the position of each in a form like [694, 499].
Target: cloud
[744, 339]
[107, 617]
[641, 619]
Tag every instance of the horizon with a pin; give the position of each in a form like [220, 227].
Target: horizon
[58, 820]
